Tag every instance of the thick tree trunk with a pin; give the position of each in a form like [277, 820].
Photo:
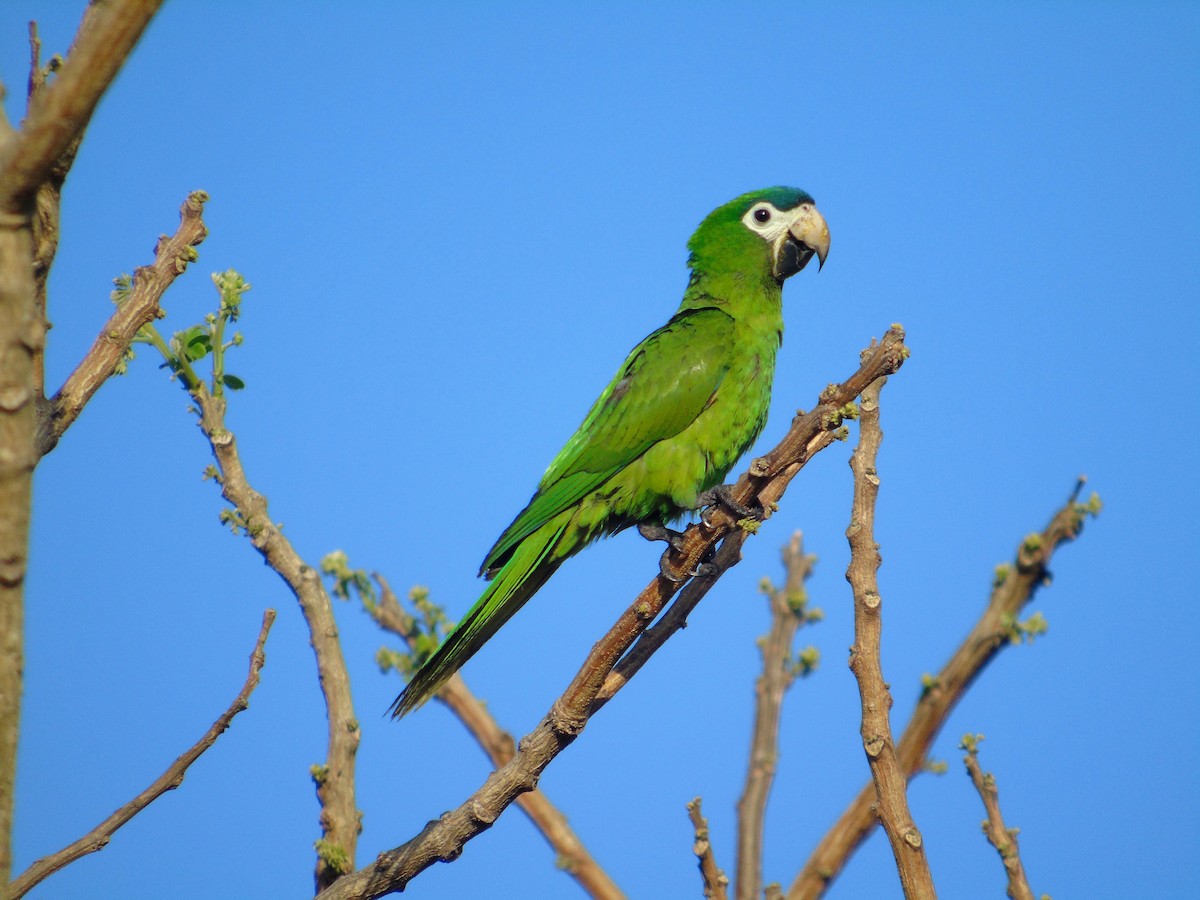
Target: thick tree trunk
[19, 333]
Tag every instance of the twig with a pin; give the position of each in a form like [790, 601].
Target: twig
[787, 606]
[1013, 588]
[1004, 839]
[715, 881]
[499, 746]
[98, 837]
[45, 220]
[61, 112]
[47, 204]
[339, 816]
[890, 780]
[37, 75]
[443, 839]
[171, 258]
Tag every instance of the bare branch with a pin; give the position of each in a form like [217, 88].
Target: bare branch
[48, 201]
[45, 220]
[60, 113]
[339, 816]
[728, 555]
[98, 837]
[890, 779]
[171, 258]
[1014, 586]
[715, 881]
[443, 839]
[764, 483]
[787, 606]
[1004, 839]
[37, 75]
[499, 746]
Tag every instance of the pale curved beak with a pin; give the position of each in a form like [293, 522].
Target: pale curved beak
[809, 229]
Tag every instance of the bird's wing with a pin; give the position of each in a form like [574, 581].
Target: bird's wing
[665, 383]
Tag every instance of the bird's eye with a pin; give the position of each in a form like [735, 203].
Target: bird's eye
[762, 215]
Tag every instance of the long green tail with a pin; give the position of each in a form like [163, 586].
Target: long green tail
[534, 561]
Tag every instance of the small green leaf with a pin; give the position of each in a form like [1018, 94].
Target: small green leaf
[233, 382]
[195, 343]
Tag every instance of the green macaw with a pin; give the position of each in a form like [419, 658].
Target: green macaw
[685, 404]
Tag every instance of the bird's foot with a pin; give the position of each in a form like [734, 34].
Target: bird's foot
[722, 495]
[678, 575]
[674, 539]
[653, 532]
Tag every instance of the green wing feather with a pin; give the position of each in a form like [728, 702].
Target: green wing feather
[664, 384]
[667, 381]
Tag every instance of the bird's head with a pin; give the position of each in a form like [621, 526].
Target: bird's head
[777, 228]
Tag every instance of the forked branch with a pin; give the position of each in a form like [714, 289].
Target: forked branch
[171, 257]
[996, 629]
[443, 839]
[60, 113]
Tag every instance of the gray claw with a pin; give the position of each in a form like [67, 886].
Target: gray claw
[652, 532]
[674, 539]
[670, 572]
[722, 495]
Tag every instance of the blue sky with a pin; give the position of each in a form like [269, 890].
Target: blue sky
[457, 222]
